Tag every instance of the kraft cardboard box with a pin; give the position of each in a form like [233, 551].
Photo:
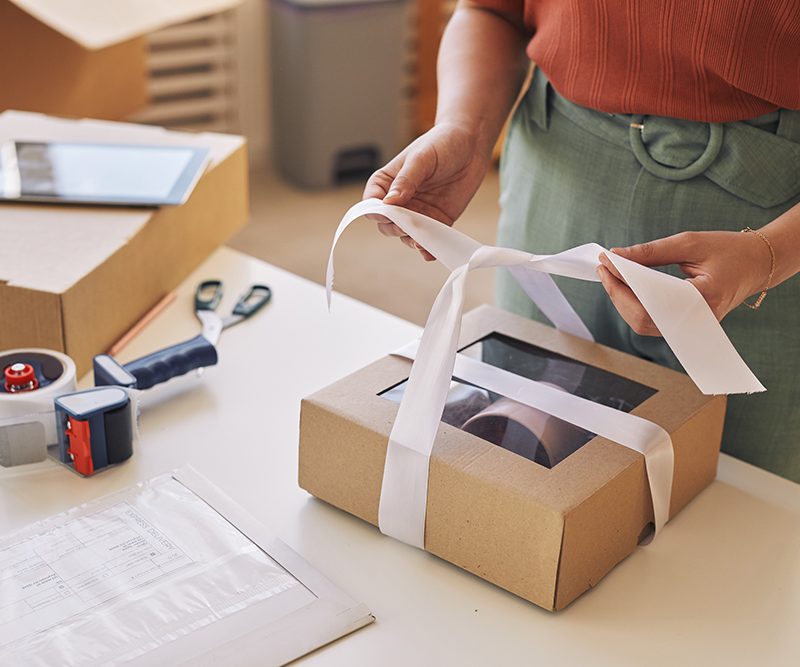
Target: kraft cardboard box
[76, 278]
[546, 525]
[83, 59]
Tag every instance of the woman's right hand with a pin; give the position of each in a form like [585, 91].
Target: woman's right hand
[436, 175]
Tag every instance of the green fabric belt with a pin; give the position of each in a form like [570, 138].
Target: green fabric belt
[760, 166]
[571, 175]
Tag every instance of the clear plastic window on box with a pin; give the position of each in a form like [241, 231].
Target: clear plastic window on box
[522, 429]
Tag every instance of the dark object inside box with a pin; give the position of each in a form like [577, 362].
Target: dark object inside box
[522, 429]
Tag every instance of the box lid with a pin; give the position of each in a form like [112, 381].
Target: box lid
[96, 24]
[50, 248]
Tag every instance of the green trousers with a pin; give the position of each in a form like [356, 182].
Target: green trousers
[571, 175]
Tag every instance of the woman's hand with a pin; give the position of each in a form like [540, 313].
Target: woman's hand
[725, 267]
[436, 175]
[480, 68]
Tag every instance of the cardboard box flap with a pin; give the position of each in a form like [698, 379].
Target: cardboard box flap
[23, 125]
[96, 24]
[50, 248]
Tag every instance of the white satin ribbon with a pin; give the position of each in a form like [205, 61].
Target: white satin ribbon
[634, 432]
[676, 307]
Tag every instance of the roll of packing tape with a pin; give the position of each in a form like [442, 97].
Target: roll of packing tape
[526, 431]
[27, 418]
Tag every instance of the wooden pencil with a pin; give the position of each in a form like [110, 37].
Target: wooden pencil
[137, 328]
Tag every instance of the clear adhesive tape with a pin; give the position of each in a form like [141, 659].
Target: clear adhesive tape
[27, 421]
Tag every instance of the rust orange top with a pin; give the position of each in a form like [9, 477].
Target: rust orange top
[707, 60]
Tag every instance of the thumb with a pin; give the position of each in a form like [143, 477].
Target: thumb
[669, 250]
[412, 174]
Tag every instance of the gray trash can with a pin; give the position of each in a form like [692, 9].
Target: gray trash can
[337, 87]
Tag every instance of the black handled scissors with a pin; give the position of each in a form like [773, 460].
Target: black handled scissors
[207, 297]
[197, 352]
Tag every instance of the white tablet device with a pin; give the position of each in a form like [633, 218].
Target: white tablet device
[105, 174]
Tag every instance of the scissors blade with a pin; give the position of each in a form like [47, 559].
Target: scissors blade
[230, 320]
[212, 325]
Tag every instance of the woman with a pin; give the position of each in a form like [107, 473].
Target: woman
[660, 130]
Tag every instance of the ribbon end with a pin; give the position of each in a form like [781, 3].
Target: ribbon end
[329, 282]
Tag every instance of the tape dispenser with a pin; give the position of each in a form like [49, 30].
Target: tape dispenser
[43, 414]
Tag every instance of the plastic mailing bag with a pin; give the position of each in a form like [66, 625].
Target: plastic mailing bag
[134, 574]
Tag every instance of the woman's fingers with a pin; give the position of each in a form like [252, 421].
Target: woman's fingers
[381, 180]
[675, 249]
[408, 241]
[626, 303]
[376, 188]
[425, 254]
[414, 171]
[386, 227]
[606, 262]
[395, 184]
[411, 243]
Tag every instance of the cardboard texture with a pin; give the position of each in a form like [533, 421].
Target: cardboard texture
[547, 535]
[86, 58]
[76, 278]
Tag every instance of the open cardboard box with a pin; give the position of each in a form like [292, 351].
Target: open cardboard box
[84, 58]
[545, 534]
[75, 278]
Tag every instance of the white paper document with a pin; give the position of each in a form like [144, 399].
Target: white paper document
[161, 573]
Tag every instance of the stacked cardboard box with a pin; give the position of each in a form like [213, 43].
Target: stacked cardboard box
[84, 58]
[75, 278]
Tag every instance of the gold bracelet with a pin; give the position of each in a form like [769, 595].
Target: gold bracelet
[755, 305]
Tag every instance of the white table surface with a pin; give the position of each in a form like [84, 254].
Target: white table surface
[720, 586]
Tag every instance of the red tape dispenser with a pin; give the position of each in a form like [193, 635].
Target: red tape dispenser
[95, 428]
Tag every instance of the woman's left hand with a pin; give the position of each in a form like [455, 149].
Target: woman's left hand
[725, 267]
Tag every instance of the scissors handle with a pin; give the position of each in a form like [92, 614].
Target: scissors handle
[208, 295]
[172, 361]
[256, 298]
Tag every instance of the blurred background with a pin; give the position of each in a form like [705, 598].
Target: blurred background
[379, 61]
[325, 91]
